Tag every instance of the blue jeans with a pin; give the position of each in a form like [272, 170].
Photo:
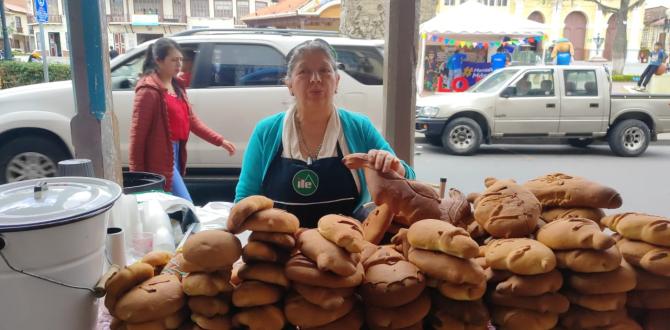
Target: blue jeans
[647, 74]
[178, 185]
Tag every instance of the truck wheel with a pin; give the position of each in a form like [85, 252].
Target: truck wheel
[629, 138]
[30, 157]
[462, 136]
[580, 143]
[435, 140]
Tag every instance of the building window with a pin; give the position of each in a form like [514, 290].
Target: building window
[223, 8]
[200, 8]
[17, 24]
[52, 5]
[117, 7]
[450, 2]
[493, 3]
[242, 8]
[260, 5]
[148, 7]
[179, 8]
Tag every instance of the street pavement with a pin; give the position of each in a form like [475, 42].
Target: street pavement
[643, 182]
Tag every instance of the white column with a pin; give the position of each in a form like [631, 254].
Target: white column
[211, 8]
[634, 29]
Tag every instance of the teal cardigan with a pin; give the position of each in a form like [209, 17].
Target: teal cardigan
[360, 134]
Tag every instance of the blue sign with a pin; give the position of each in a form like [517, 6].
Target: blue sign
[41, 11]
[474, 71]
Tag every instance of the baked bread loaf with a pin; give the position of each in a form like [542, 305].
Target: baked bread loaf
[468, 312]
[207, 284]
[652, 258]
[580, 318]
[301, 269]
[574, 233]
[326, 298]
[157, 259]
[270, 220]
[643, 227]
[353, 320]
[327, 255]
[531, 285]
[588, 260]
[597, 302]
[256, 251]
[302, 313]
[268, 317]
[121, 282]
[392, 285]
[345, 232]
[401, 243]
[265, 272]
[620, 280]
[522, 256]
[212, 249]
[517, 318]
[284, 241]
[154, 299]
[399, 317]
[456, 209]
[463, 292]
[220, 322]
[549, 302]
[447, 268]
[649, 299]
[209, 306]
[171, 322]
[245, 208]
[506, 209]
[441, 320]
[553, 214]
[438, 235]
[558, 189]
[374, 255]
[256, 293]
[413, 200]
[377, 223]
[649, 281]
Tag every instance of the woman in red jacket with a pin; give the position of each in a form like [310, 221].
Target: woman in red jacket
[163, 119]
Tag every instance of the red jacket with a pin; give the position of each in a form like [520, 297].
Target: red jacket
[150, 143]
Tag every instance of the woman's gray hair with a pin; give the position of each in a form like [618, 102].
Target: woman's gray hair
[309, 46]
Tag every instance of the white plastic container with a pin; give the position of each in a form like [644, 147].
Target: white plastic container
[54, 228]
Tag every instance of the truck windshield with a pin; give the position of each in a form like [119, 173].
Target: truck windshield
[493, 81]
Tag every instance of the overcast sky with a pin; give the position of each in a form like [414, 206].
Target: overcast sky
[655, 3]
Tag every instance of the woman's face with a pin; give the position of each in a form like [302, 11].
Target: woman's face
[313, 80]
[171, 64]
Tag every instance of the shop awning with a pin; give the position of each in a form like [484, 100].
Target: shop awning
[475, 19]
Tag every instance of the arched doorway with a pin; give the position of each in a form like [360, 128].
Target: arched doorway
[575, 31]
[609, 37]
[536, 16]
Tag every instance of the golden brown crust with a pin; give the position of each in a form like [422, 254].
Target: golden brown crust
[574, 233]
[158, 259]
[621, 279]
[654, 259]
[464, 292]
[399, 317]
[649, 299]
[124, 280]
[548, 302]
[531, 285]
[301, 269]
[597, 302]
[649, 281]
[327, 255]
[438, 235]
[516, 318]
[156, 298]
[456, 209]
[643, 227]
[345, 232]
[265, 272]
[256, 251]
[284, 241]
[579, 318]
[268, 317]
[302, 313]
[553, 214]
[377, 223]
[212, 249]
[270, 220]
[589, 261]
[326, 298]
[506, 209]
[353, 320]
[473, 312]
[558, 189]
[520, 256]
[245, 208]
[447, 268]
[220, 322]
[256, 293]
[209, 306]
[392, 285]
[207, 284]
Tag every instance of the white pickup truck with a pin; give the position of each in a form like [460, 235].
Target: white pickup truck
[552, 103]
[237, 81]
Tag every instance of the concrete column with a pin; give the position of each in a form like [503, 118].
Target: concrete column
[211, 8]
[634, 30]
[556, 23]
[402, 17]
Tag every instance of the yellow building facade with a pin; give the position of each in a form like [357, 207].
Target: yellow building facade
[580, 21]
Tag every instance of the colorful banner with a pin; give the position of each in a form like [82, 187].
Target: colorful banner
[469, 44]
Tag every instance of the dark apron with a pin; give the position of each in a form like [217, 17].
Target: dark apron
[311, 191]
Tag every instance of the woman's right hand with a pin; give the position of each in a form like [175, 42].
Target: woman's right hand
[228, 146]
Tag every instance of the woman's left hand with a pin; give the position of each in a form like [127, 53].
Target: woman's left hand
[228, 146]
[384, 161]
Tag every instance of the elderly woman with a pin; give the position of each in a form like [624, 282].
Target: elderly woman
[295, 157]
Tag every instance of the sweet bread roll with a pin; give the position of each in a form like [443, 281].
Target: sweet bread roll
[463, 292]
[620, 280]
[517, 318]
[392, 285]
[353, 320]
[256, 293]
[268, 317]
[301, 269]
[171, 322]
[284, 241]
[270, 220]
[220, 322]
[652, 258]
[212, 249]
[579, 318]
[447, 268]
[374, 255]
[558, 189]
[377, 223]
[643, 227]
[401, 243]
[326, 298]
[438, 235]
[649, 281]
[531, 285]
[256, 251]
[441, 320]
[208, 306]
[207, 284]
[399, 317]
[469, 312]
[345, 232]
[157, 259]
[327, 255]
[265, 272]
[549, 302]
[574, 233]
[588, 260]
[476, 231]
[121, 282]
[553, 214]
[522, 256]
[302, 313]
[456, 209]
[154, 299]
[506, 209]
[245, 208]
[649, 299]
[184, 266]
[597, 302]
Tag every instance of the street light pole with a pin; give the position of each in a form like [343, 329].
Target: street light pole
[5, 36]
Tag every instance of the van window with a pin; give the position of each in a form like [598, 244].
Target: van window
[246, 65]
[365, 64]
[580, 83]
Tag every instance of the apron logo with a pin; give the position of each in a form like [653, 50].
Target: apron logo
[305, 182]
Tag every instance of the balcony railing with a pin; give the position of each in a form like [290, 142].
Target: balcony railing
[19, 29]
[161, 19]
[117, 18]
[53, 19]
